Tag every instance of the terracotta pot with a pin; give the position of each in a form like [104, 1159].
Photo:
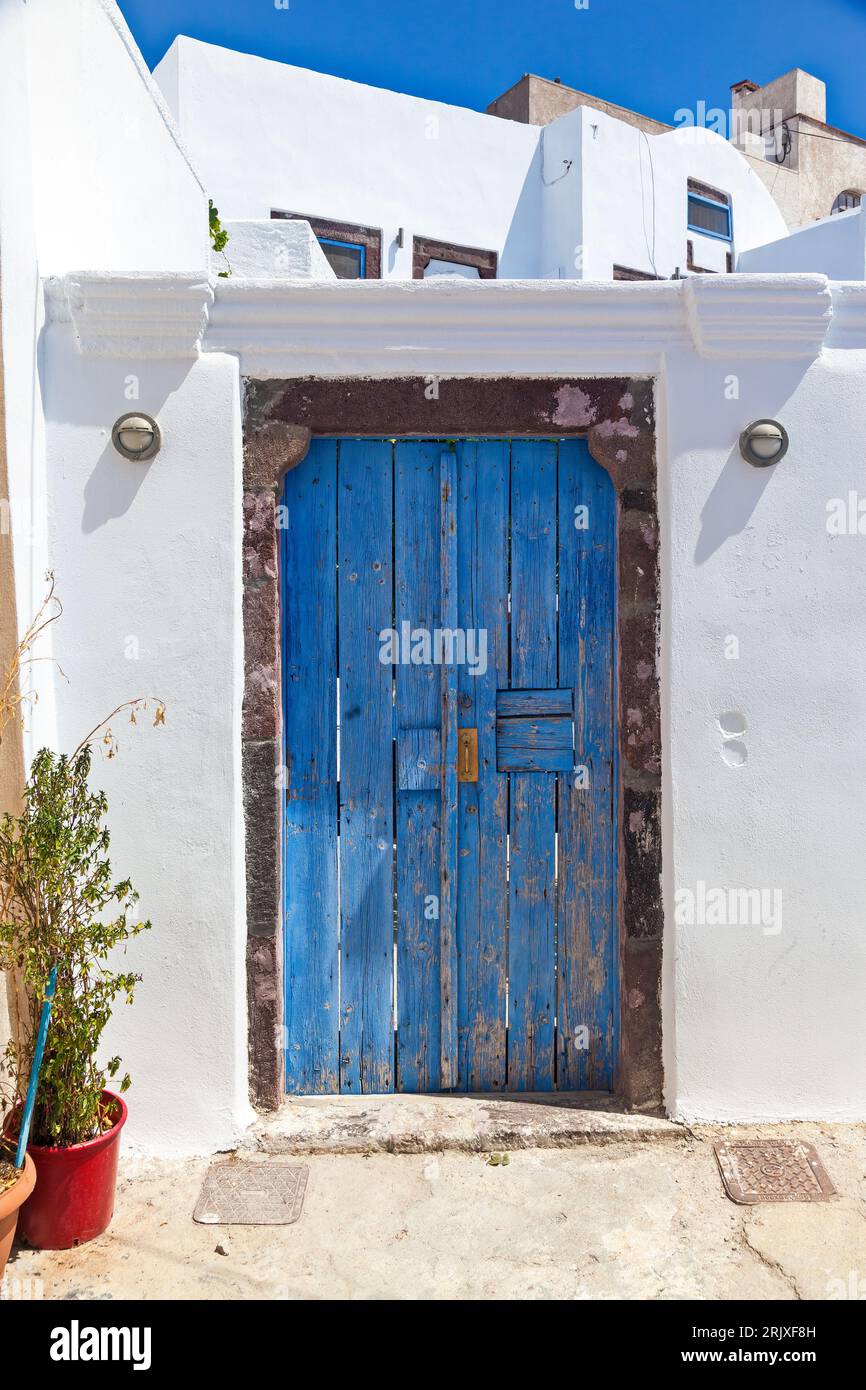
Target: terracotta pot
[10, 1202]
[74, 1197]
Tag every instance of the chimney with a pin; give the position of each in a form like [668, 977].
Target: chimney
[795, 93]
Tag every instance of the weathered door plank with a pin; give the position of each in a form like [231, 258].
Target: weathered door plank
[531, 950]
[448, 862]
[419, 754]
[537, 704]
[309, 601]
[366, 767]
[482, 887]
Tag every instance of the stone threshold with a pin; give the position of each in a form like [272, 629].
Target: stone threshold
[411, 1124]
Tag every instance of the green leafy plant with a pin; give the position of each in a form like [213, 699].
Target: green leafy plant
[60, 905]
[63, 907]
[219, 237]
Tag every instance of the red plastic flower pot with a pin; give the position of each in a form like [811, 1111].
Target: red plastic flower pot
[73, 1200]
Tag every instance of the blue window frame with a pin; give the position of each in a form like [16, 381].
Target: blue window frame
[710, 217]
[347, 258]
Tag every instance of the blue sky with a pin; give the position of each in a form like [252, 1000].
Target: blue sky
[652, 55]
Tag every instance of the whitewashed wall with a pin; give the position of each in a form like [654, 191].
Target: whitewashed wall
[763, 666]
[763, 762]
[756, 1024]
[268, 250]
[270, 136]
[148, 558]
[21, 321]
[635, 197]
[765, 1024]
[835, 246]
[568, 201]
[112, 187]
[92, 176]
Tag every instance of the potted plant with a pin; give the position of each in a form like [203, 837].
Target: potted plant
[63, 908]
[16, 1185]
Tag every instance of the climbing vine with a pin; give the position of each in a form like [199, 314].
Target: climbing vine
[219, 237]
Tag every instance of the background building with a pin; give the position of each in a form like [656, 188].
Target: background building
[812, 169]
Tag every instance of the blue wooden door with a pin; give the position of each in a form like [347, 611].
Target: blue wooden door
[449, 691]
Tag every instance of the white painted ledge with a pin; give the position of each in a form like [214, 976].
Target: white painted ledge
[140, 315]
[371, 327]
[283, 328]
[848, 325]
[780, 316]
[274, 249]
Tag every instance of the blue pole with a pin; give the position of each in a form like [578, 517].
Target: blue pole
[36, 1066]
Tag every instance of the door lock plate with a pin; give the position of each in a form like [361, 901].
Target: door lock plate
[467, 755]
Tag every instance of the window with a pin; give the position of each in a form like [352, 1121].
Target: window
[709, 212]
[847, 200]
[353, 252]
[442, 258]
[347, 259]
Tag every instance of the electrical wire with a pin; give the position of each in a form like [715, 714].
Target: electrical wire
[567, 162]
[650, 249]
[840, 139]
[787, 144]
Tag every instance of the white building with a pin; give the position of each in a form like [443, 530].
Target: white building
[737, 960]
[587, 197]
[811, 168]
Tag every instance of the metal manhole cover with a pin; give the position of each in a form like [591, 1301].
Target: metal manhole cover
[773, 1171]
[252, 1194]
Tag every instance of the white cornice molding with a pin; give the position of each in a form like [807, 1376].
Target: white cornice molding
[387, 328]
[848, 328]
[781, 316]
[138, 315]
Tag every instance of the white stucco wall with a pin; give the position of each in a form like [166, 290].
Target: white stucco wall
[765, 1025]
[267, 135]
[21, 321]
[835, 246]
[91, 95]
[72, 83]
[272, 250]
[635, 197]
[566, 201]
[148, 558]
[92, 174]
[758, 1024]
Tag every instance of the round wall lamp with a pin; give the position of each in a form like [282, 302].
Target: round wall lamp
[137, 437]
[764, 442]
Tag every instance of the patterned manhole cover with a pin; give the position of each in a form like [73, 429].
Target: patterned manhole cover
[773, 1171]
[252, 1194]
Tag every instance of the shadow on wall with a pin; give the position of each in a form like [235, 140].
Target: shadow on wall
[740, 486]
[522, 247]
[97, 398]
[112, 487]
[730, 504]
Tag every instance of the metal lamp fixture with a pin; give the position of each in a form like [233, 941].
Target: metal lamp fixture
[137, 437]
[764, 442]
